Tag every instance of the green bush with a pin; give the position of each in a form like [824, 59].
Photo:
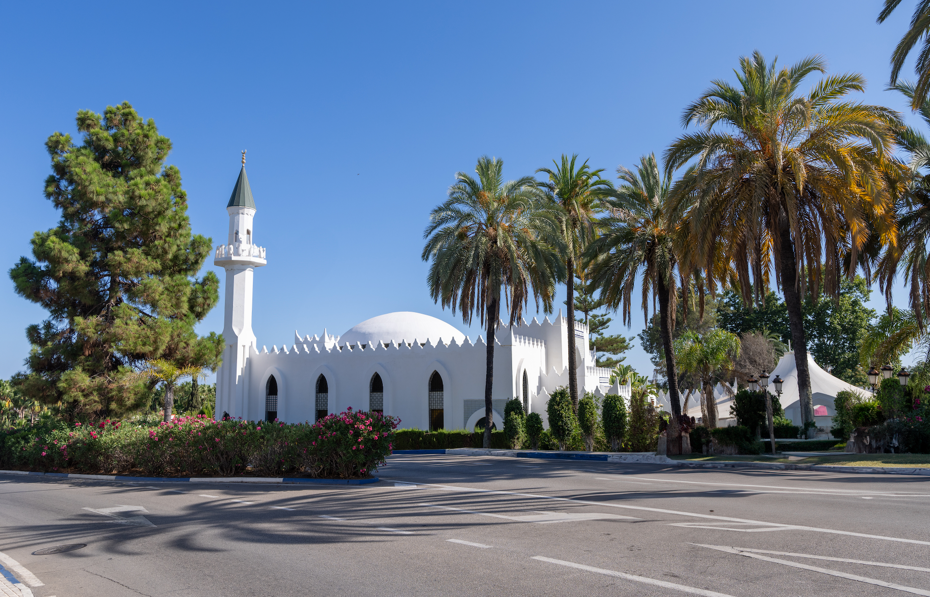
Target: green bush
[890, 398]
[348, 445]
[587, 420]
[740, 437]
[867, 414]
[643, 434]
[614, 420]
[784, 429]
[843, 419]
[514, 422]
[443, 439]
[700, 437]
[749, 409]
[562, 420]
[534, 429]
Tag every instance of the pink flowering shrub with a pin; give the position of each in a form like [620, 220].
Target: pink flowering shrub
[200, 446]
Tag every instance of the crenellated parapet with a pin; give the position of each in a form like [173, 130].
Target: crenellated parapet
[241, 252]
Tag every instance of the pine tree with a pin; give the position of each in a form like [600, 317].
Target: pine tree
[118, 273]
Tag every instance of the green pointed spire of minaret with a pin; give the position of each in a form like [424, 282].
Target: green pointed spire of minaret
[242, 194]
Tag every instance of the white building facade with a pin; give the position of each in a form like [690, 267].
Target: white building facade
[408, 365]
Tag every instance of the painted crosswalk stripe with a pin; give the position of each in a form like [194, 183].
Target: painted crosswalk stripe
[460, 542]
[642, 579]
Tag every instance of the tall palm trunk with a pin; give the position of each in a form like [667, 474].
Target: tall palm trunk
[572, 361]
[710, 404]
[493, 315]
[169, 401]
[791, 290]
[771, 420]
[672, 437]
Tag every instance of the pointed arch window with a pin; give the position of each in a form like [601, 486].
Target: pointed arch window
[526, 393]
[322, 398]
[435, 402]
[376, 394]
[271, 399]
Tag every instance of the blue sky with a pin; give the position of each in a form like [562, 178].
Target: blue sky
[356, 117]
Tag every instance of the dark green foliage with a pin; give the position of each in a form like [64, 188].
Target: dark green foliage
[417, 439]
[513, 422]
[749, 409]
[562, 419]
[843, 419]
[740, 437]
[891, 398]
[534, 430]
[643, 435]
[614, 420]
[866, 414]
[688, 318]
[587, 420]
[117, 275]
[835, 328]
[700, 437]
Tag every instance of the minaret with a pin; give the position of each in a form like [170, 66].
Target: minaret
[239, 257]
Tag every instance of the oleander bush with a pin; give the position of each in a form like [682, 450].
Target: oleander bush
[351, 444]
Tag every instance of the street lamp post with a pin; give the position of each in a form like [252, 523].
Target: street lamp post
[873, 377]
[903, 375]
[764, 382]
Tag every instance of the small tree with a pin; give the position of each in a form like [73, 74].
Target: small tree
[615, 420]
[170, 374]
[587, 420]
[513, 422]
[749, 409]
[534, 429]
[561, 416]
[644, 423]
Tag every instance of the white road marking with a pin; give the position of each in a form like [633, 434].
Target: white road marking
[282, 508]
[825, 491]
[460, 542]
[642, 579]
[862, 579]
[209, 496]
[115, 512]
[21, 573]
[405, 485]
[866, 498]
[540, 517]
[831, 559]
[398, 531]
[674, 512]
[719, 526]
[623, 480]
[330, 517]
[242, 502]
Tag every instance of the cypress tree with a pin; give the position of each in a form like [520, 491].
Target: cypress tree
[118, 274]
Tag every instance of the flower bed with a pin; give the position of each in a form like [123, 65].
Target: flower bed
[349, 445]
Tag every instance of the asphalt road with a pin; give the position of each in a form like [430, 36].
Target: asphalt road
[444, 525]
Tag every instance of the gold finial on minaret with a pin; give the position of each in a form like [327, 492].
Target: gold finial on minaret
[243, 157]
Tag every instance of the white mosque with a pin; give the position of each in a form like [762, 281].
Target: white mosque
[404, 364]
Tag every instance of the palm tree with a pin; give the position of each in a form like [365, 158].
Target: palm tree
[794, 180]
[170, 374]
[913, 209]
[637, 245]
[491, 237]
[920, 27]
[578, 193]
[707, 357]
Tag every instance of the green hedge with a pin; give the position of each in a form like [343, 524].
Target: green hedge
[741, 437]
[417, 439]
[807, 446]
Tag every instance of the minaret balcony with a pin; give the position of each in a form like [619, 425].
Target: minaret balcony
[240, 253]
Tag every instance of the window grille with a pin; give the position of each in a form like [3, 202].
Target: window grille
[322, 398]
[271, 403]
[435, 400]
[526, 392]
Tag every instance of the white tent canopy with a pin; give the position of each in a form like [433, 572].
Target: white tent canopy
[824, 388]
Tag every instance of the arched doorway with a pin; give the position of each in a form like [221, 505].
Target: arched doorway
[271, 399]
[483, 422]
[526, 393]
[435, 402]
[322, 398]
[376, 394]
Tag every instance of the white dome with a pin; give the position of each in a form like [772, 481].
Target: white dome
[403, 325]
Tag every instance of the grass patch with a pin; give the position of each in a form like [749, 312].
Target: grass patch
[882, 460]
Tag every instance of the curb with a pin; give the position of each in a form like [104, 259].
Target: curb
[24, 591]
[651, 458]
[265, 480]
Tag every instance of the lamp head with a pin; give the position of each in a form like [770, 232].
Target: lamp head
[873, 375]
[887, 371]
[778, 381]
[764, 380]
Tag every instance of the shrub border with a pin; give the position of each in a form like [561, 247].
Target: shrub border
[282, 480]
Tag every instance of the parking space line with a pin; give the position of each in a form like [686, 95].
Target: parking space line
[642, 579]
[862, 579]
[469, 543]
